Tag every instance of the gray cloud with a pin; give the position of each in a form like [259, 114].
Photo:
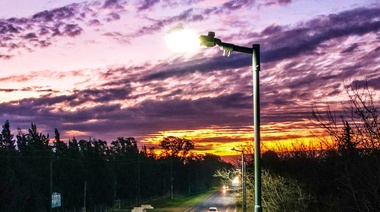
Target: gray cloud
[187, 16]
[202, 65]
[371, 83]
[309, 35]
[147, 4]
[114, 4]
[351, 48]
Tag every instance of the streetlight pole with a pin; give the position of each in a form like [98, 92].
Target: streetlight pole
[243, 186]
[210, 41]
[256, 123]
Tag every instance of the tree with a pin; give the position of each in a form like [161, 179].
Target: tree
[347, 142]
[8, 168]
[6, 138]
[35, 157]
[176, 147]
[124, 154]
[360, 115]
[356, 141]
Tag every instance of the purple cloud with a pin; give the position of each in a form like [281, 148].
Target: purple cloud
[62, 13]
[113, 4]
[147, 4]
[72, 30]
[351, 48]
[373, 83]
[309, 35]
[112, 17]
[3, 56]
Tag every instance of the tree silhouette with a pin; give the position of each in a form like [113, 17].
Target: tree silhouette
[94, 173]
[176, 147]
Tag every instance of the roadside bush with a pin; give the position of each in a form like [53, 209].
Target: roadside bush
[284, 194]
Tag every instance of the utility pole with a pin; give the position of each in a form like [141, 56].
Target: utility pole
[243, 187]
[138, 180]
[51, 182]
[243, 182]
[171, 178]
[84, 199]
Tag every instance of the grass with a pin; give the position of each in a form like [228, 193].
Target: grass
[178, 203]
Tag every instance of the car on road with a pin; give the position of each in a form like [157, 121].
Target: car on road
[213, 209]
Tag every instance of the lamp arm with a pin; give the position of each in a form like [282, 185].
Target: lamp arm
[231, 47]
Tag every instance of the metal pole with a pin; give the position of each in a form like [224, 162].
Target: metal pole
[171, 178]
[244, 202]
[256, 123]
[51, 182]
[139, 179]
[84, 194]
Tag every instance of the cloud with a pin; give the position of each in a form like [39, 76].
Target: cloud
[267, 3]
[94, 22]
[120, 37]
[309, 35]
[114, 4]
[147, 4]
[145, 116]
[112, 17]
[30, 35]
[42, 29]
[72, 30]
[4, 56]
[202, 65]
[234, 5]
[14, 78]
[37, 31]
[351, 48]
[57, 14]
[34, 89]
[187, 16]
[373, 83]
[302, 65]
[6, 28]
[190, 15]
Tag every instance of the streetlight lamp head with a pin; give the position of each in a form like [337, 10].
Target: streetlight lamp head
[209, 40]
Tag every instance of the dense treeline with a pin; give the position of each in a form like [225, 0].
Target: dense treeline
[96, 173]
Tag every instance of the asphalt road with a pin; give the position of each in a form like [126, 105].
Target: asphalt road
[223, 200]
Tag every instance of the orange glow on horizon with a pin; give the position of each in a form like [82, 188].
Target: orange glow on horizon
[220, 142]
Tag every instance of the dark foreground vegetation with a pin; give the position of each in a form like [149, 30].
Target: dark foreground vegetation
[344, 176]
[94, 173]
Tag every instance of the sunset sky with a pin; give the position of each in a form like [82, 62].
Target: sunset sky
[102, 69]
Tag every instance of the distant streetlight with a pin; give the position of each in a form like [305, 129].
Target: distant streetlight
[243, 187]
[210, 41]
[235, 181]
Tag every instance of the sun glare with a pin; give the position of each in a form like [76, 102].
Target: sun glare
[182, 40]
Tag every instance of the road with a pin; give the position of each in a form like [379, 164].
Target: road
[223, 200]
